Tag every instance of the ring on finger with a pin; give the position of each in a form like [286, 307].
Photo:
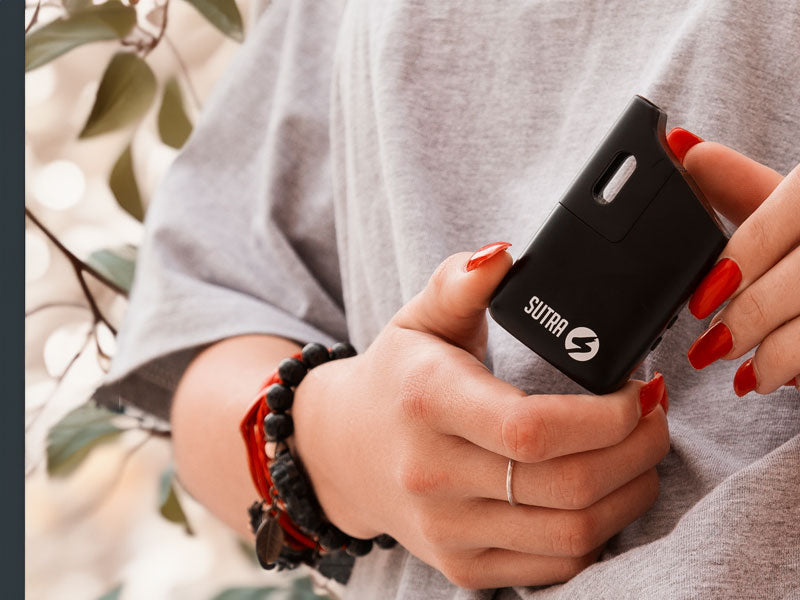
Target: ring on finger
[509, 475]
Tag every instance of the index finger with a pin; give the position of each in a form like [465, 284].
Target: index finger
[473, 404]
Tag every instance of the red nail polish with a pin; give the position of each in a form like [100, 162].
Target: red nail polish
[680, 140]
[744, 381]
[651, 393]
[483, 254]
[665, 401]
[715, 288]
[712, 345]
[792, 382]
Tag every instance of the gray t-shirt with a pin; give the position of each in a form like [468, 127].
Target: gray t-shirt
[353, 146]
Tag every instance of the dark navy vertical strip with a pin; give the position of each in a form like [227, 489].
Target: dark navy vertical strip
[12, 294]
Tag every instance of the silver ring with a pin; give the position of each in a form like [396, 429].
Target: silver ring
[509, 474]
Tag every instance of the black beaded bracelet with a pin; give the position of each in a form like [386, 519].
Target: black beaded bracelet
[335, 551]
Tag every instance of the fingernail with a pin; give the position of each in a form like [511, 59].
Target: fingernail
[651, 393]
[483, 254]
[665, 401]
[716, 287]
[792, 382]
[744, 381]
[680, 140]
[712, 345]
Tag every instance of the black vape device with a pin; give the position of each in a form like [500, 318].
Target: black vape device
[618, 257]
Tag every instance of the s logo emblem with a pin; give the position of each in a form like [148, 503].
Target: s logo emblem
[582, 344]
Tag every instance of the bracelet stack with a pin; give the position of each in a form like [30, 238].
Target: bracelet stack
[288, 521]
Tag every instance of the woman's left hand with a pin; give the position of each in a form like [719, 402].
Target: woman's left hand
[759, 269]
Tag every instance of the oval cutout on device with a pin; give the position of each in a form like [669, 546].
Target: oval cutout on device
[615, 178]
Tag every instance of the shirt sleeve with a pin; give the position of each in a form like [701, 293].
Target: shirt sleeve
[240, 236]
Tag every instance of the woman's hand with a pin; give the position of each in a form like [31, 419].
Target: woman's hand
[412, 438]
[759, 269]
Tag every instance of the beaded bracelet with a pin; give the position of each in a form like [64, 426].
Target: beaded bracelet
[288, 521]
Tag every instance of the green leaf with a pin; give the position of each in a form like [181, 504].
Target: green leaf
[109, 21]
[169, 505]
[246, 593]
[223, 14]
[125, 93]
[173, 124]
[122, 182]
[116, 264]
[112, 594]
[71, 439]
[303, 589]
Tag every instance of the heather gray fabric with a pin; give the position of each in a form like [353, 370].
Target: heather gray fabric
[352, 147]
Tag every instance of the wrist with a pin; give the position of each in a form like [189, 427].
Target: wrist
[289, 523]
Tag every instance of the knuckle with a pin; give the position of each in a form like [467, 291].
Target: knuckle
[574, 534]
[414, 393]
[434, 531]
[751, 307]
[461, 572]
[573, 487]
[761, 233]
[419, 480]
[525, 436]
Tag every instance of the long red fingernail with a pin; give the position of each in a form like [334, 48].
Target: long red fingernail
[680, 141]
[744, 381]
[483, 254]
[665, 401]
[712, 345]
[651, 393]
[716, 287]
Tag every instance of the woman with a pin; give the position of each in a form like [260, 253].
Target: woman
[350, 150]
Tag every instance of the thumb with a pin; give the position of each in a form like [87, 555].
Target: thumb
[734, 184]
[453, 304]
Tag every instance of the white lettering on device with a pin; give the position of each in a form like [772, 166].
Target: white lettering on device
[546, 316]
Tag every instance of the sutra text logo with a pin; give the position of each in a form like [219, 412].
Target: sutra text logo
[581, 343]
[546, 316]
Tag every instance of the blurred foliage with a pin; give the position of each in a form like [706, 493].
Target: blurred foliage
[174, 126]
[110, 21]
[125, 94]
[72, 438]
[122, 182]
[117, 264]
[170, 508]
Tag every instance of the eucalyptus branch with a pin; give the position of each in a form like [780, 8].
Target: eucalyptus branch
[49, 305]
[185, 71]
[80, 267]
[157, 39]
[35, 17]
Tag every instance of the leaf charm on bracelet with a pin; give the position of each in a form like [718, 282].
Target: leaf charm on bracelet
[269, 541]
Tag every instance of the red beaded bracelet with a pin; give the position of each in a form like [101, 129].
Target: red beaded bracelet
[252, 431]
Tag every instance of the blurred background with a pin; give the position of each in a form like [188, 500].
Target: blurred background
[112, 88]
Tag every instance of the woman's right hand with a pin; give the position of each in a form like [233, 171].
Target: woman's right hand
[412, 438]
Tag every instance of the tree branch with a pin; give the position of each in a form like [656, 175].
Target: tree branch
[35, 17]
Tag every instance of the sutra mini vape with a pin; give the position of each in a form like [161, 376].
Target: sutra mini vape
[618, 257]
